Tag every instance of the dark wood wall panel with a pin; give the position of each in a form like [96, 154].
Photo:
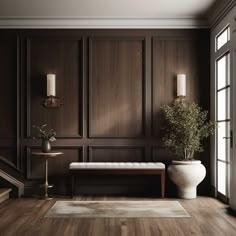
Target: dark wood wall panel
[9, 155]
[8, 88]
[172, 56]
[162, 155]
[116, 87]
[116, 154]
[63, 58]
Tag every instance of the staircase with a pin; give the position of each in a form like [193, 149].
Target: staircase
[4, 194]
[13, 182]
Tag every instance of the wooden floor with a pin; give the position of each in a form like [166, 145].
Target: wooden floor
[26, 217]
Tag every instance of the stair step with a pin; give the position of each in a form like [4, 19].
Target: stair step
[4, 194]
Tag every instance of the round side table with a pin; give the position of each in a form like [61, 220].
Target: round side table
[46, 156]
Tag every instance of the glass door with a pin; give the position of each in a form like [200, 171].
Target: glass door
[223, 134]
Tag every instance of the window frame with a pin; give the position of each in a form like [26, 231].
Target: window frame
[226, 28]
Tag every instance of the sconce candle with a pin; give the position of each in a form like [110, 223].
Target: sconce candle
[51, 85]
[51, 101]
[181, 85]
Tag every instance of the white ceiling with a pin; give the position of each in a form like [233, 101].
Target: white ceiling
[105, 8]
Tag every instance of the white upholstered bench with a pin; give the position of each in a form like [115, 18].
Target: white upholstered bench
[117, 168]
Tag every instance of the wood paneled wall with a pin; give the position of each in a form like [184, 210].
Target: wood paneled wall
[62, 57]
[112, 84]
[116, 85]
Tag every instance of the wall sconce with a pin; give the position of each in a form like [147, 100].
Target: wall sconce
[181, 86]
[51, 101]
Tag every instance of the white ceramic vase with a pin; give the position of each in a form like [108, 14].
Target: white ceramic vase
[187, 175]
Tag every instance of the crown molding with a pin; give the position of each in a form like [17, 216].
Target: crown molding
[215, 15]
[101, 23]
[219, 11]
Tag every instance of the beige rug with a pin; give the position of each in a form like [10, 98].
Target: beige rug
[116, 209]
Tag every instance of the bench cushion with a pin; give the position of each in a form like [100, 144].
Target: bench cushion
[117, 165]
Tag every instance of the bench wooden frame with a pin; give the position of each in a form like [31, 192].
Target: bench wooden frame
[76, 172]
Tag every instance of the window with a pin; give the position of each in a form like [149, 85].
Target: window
[222, 38]
[223, 135]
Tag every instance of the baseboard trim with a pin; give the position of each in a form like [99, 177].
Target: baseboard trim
[213, 192]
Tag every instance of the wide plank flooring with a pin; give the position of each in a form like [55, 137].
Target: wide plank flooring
[25, 216]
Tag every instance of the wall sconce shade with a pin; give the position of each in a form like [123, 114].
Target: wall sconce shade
[51, 85]
[51, 101]
[181, 85]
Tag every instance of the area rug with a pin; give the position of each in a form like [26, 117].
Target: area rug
[116, 209]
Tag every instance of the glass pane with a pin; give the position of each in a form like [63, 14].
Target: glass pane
[222, 177]
[222, 80]
[223, 104]
[222, 38]
[223, 145]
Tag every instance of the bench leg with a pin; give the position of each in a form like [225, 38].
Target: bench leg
[163, 184]
[72, 186]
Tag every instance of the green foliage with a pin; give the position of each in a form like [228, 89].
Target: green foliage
[186, 126]
[45, 134]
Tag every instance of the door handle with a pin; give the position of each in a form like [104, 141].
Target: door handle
[231, 138]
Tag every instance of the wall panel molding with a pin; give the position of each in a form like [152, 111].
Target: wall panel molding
[117, 153]
[115, 65]
[9, 156]
[171, 56]
[65, 111]
[10, 100]
[10, 73]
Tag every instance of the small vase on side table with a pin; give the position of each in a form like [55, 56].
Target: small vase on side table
[46, 146]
